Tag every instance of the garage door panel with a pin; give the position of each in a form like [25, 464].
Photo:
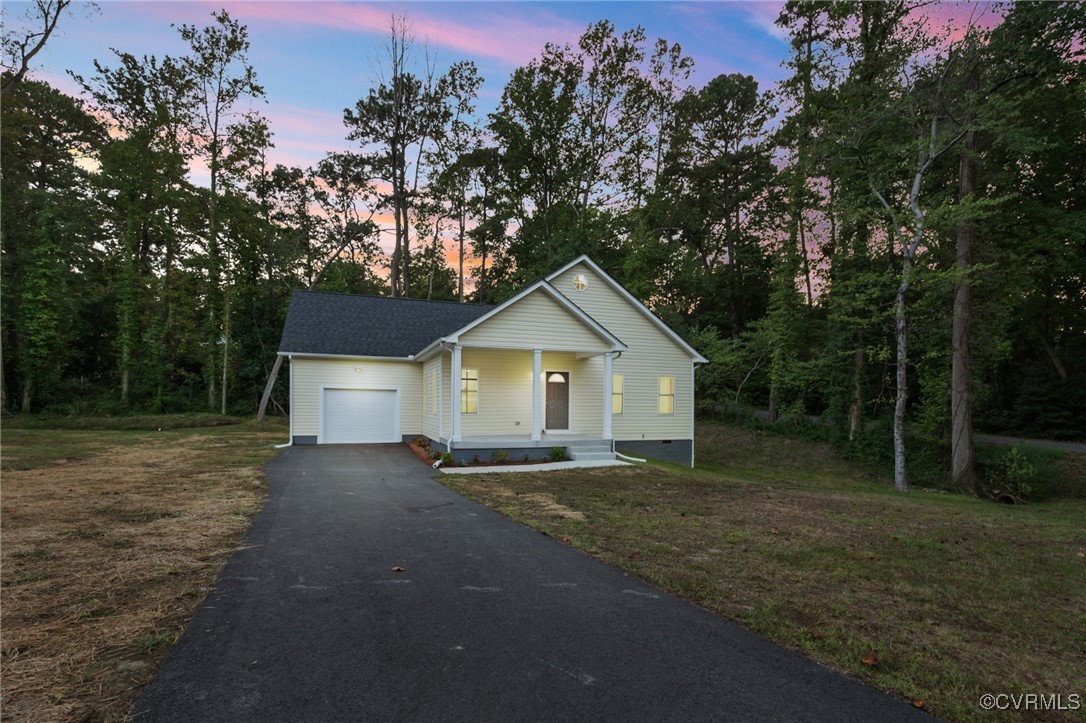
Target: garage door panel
[358, 416]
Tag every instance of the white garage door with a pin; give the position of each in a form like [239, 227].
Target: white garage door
[352, 416]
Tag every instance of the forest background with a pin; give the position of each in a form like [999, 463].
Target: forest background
[892, 238]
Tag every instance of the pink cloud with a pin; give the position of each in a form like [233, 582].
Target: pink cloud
[764, 15]
[303, 136]
[509, 35]
[953, 19]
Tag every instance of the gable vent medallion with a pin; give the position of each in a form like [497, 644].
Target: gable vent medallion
[580, 282]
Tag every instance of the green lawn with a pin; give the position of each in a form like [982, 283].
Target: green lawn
[937, 598]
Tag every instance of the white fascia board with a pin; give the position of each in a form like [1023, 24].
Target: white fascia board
[431, 347]
[306, 355]
[585, 259]
[544, 286]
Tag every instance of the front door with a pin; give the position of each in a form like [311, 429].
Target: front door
[557, 400]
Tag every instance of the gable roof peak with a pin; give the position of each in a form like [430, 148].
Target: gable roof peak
[633, 300]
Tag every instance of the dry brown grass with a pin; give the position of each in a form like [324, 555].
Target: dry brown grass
[106, 555]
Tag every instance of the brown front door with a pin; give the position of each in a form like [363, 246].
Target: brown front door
[557, 400]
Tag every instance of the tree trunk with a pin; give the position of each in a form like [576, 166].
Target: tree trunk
[397, 249]
[405, 278]
[225, 347]
[901, 330]
[213, 273]
[962, 460]
[806, 262]
[1057, 363]
[3, 386]
[268, 387]
[855, 412]
[126, 303]
[461, 237]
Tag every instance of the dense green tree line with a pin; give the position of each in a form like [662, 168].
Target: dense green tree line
[895, 235]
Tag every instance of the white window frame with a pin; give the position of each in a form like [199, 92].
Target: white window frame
[463, 391]
[660, 395]
[621, 395]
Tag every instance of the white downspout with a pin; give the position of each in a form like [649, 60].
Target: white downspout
[607, 409]
[290, 399]
[692, 409]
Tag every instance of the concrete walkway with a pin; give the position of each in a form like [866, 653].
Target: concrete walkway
[365, 591]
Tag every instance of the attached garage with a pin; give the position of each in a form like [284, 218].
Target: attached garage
[359, 416]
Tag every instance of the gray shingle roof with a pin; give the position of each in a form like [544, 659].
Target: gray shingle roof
[320, 322]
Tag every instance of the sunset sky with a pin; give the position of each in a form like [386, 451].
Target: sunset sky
[317, 58]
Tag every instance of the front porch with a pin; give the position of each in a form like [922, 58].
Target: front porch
[525, 441]
[522, 400]
[515, 447]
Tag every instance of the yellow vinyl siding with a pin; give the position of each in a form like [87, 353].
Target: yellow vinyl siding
[536, 321]
[651, 354]
[431, 385]
[505, 392]
[585, 393]
[311, 374]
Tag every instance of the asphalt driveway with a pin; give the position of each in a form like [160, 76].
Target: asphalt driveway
[488, 620]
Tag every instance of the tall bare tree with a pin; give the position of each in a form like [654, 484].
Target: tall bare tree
[21, 44]
[394, 124]
[225, 83]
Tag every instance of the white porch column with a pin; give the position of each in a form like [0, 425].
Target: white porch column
[537, 374]
[608, 372]
[454, 396]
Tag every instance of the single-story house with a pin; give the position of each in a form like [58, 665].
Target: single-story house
[573, 360]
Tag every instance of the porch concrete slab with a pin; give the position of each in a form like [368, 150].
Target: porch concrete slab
[523, 441]
[548, 467]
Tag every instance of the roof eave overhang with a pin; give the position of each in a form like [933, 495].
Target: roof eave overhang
[429, 350]
[361, 357]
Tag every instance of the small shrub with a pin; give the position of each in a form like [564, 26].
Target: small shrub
[499, 455]
[447, 459]
[421, 442]
[526, 458]
[475, 459]
[1013, 472]
[558, 454]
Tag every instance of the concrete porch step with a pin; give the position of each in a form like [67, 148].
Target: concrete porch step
[590, 452]
[586, 456]
[588, 448]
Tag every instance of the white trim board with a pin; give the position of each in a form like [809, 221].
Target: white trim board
[541, 285]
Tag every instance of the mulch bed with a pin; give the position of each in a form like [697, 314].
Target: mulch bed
[426, 454]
